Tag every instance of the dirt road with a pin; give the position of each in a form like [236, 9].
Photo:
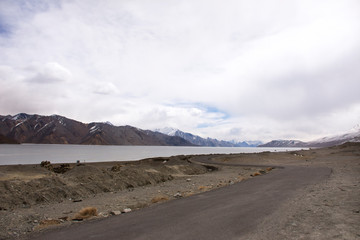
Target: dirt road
[225, 213]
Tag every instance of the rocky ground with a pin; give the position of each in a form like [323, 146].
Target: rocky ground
[35, 197]
[323, 211]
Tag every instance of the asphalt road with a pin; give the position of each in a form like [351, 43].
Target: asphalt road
[225, 213]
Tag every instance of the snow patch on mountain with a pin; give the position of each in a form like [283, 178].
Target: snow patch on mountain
[210, 142]
[353, 135]
[167, 130]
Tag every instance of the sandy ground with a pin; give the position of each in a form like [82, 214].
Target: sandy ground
[34, 198]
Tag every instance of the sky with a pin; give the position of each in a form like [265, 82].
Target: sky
[235, 69]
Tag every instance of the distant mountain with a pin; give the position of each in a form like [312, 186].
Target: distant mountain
[25, 128]
[284, 143]
[352, 136]
[197, 140]
[246, 143]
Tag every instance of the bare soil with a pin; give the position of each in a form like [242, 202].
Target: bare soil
[35, 197]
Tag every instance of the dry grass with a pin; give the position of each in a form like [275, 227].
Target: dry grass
[47, 223]
[240, 178]
[85, 213]
[203, 188]
[139, 205]
[188, 194]
[269, 169]
[159, 199]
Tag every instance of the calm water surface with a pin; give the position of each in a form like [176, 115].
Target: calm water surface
[61, 153]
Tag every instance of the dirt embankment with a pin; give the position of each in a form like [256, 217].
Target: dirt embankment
[27, 185]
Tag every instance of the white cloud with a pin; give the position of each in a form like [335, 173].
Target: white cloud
[271, 69]
[50, 72]
[105, 88]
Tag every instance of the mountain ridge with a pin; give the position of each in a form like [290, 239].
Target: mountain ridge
[56, 129]
[209, 142]
[352, 136]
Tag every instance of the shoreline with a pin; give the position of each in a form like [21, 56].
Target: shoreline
[68, 153]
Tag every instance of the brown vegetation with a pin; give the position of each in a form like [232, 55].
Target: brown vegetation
[159, 199]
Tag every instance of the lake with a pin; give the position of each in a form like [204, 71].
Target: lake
[66, 153]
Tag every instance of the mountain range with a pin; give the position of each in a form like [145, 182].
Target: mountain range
[209, 142]
[352, 136]
[55, 129]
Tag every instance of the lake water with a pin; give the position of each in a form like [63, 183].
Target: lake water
[62, 153]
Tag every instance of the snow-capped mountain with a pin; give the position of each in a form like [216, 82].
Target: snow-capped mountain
[197, 140]
[353, 135]
[284, 143]
[167, 130]
[246, 143]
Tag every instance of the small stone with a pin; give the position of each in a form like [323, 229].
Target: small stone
[126, 210]
[115, 212]
[102, 214]
[188, 180]
[178, 195]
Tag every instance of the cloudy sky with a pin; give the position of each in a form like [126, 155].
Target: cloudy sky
[235, 69]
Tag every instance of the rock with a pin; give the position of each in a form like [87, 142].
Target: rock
[188, 180]
[115, 212]
[102, 214]
[126, 210]
[178, 195]
[63, 219]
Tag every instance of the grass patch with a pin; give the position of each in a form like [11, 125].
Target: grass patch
[47, 223]
[203, 188]
[159, 199]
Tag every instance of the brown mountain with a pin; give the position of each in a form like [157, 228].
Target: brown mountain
[25, 128]
[6, 140]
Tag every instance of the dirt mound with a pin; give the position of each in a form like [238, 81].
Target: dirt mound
[47, 183]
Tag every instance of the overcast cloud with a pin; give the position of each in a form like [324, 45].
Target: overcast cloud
[246, 70]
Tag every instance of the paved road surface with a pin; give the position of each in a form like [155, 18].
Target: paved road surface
[225, 213]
